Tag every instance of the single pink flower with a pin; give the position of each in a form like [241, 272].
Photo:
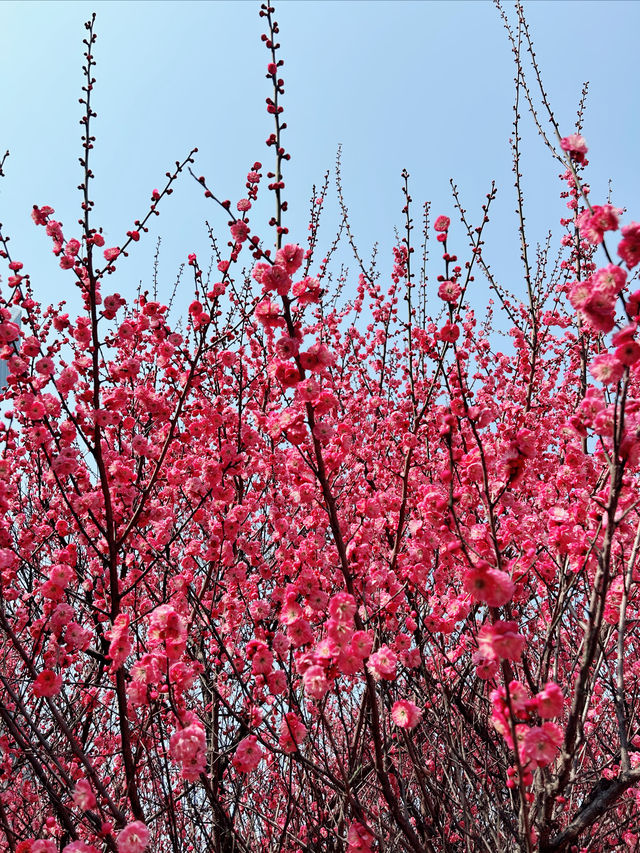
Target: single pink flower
[239, 231]
[492, 586]
[48, 683]
[134, 838]
[382, 664]
[290, 257]
[342, 607]
[300, 633]
[500, 640]
[606, 368]
[541, 744]
[406, 714]
[628, 353]
[315, 682]
[550, 701]
[247, 755]
[449, 291]
[83, 795]
[575, 146]
[361, 644]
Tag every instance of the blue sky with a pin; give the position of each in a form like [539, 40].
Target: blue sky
[422, 85]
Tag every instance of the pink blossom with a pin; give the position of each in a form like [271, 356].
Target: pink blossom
[348, 662]
[41, 214]
[382, 664]
[361, 644]
[290, 257]
[359, 838]
[44, 366]
[168, 627]
[342, 607]
[8, 332]
[247, 755]
[300, 633]
[316, 358]
[599, 310]
[239, 231]
[48, 683]
[189, 748]
[83, 795]
[339, 632]
[500, 714]
[450, 332]
[629, 246]
[610, 280]
[43, 845]
[315, 682]
[183, 674]
[287, 347]
[624, 335]
[628, 353]
[276, 278]
[54, 230]
[606, 368]
[61, 575]
[449, 291]
[286, 373]
[79, 847]
[291, 610]
[442, 223]
[134, 838]
[406, 714]
[492, 586]
[111, 254]
[292, 732]
[277, 682]
[550, 701]
[541, 744]
[144, 672]
[120, 647]
[500, 640]
[280, 643]
[593, 223]
[260, 656]
[575, 146]
[519, 698]
[323, 431]
[307, 291]
[268, 314]
[579, 293]
[486, 668]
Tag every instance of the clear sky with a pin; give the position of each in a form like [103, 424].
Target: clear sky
[422, 85]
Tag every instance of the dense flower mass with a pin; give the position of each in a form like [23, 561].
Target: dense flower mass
[307, 572]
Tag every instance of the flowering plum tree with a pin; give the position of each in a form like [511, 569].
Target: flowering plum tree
[312, 575]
